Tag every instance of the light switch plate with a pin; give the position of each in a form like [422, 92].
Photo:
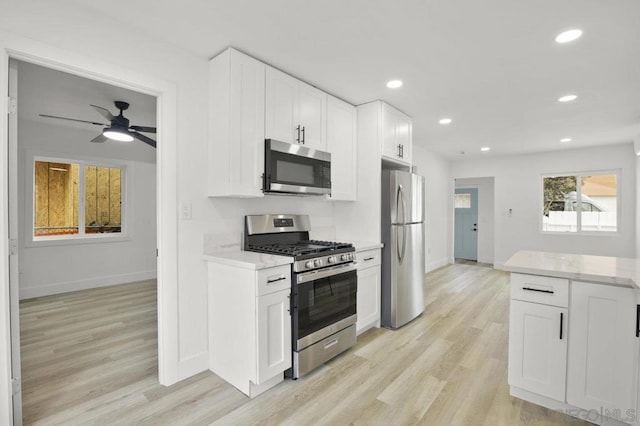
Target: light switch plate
[185, 211]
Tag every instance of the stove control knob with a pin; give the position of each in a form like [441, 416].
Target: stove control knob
[331, 259]
[309, 264]
[317, 263]
[344, 257]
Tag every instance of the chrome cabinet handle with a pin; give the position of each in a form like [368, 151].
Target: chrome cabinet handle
[276, 280]
[303, 137]
[298, 138]
[561, 322]
[366, 259]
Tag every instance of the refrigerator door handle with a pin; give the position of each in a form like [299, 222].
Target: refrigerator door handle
[400, 251]
[399, 199]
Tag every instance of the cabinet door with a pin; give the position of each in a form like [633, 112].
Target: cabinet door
[274, 335]
[341, 143]
[313, 117]
[247, 125]
[404, 137]
[603, 351]
[282, 98]
[368, 298]
[538, 349]
[390, 145]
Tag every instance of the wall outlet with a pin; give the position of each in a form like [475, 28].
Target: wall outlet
[185, 211]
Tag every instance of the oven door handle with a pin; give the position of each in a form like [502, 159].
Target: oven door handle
[323, 273]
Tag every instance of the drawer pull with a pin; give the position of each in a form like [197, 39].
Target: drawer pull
[331, 343]
[366, 259]
[538, 290]
[561, 322]
[276, 280]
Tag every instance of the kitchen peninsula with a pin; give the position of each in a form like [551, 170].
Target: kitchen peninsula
[574, 334]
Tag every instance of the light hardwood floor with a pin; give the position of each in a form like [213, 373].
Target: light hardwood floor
[90, 357]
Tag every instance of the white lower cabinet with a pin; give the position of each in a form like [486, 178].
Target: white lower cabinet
[591, 345]
[368, 296]
[537, 350]
[249, 325]
[603, 349]
[274, 334]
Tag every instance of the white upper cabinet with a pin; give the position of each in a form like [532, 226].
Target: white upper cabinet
[341, 143]
[295, 111]
[396, 134]
[283, 94]
[236, 125]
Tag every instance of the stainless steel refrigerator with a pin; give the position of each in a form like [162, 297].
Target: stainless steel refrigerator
[403, 259]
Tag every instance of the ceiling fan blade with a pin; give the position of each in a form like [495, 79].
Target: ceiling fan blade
[103, 112]
[144, 138]
[73, 119]
[100, 138]
[143, 129]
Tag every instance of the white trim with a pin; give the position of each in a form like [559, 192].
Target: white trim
[432, 266]
[68, 286]
[49, 56]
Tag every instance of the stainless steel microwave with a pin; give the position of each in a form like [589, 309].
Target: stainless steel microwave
[295, 169]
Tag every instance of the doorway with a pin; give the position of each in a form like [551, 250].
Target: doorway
[466, 224]
[82, 224]
[474, 219]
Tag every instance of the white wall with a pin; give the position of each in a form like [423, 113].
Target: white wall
[55, 269]
[518, 187]
[486, 214]
[93, 37]
[435, 169]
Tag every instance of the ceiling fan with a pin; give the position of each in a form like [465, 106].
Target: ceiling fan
[118, 128]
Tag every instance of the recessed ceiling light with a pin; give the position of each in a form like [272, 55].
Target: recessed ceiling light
[567, 36]
[445, 121]
[563, 140]
[394, 84]
[567, 98]
[485, 148]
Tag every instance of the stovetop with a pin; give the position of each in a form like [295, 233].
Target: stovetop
[301, 248]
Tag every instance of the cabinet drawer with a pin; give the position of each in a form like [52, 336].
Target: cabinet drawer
[368, 258]
[273, 279]
[539, 289]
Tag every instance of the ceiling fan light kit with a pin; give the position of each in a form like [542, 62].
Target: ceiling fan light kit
[117, 134]
[118, 128]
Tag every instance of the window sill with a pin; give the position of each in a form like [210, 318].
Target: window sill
[584, 233]
[70, 241]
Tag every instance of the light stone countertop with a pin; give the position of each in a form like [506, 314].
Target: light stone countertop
[365, 245]
[246, 259]
[621, 271]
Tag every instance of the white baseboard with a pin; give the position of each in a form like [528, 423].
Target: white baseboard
[66, 287]
[192, 365]
[432, 266]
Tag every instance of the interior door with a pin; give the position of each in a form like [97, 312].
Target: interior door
[13, 243]
[466, 223]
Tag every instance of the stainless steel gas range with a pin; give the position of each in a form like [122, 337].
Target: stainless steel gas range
[324, 285]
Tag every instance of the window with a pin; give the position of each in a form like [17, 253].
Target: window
[463, 201]
[585, 202]
[76, 199]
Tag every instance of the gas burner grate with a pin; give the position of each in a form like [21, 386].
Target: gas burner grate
[300, 247]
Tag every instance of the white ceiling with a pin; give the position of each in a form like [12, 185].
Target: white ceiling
[491, 65]
[45, 91]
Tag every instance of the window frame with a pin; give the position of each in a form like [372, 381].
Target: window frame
[579, 176]
[30, 240]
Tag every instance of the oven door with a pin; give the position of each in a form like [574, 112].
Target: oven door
[324, 303]
[295, 169]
